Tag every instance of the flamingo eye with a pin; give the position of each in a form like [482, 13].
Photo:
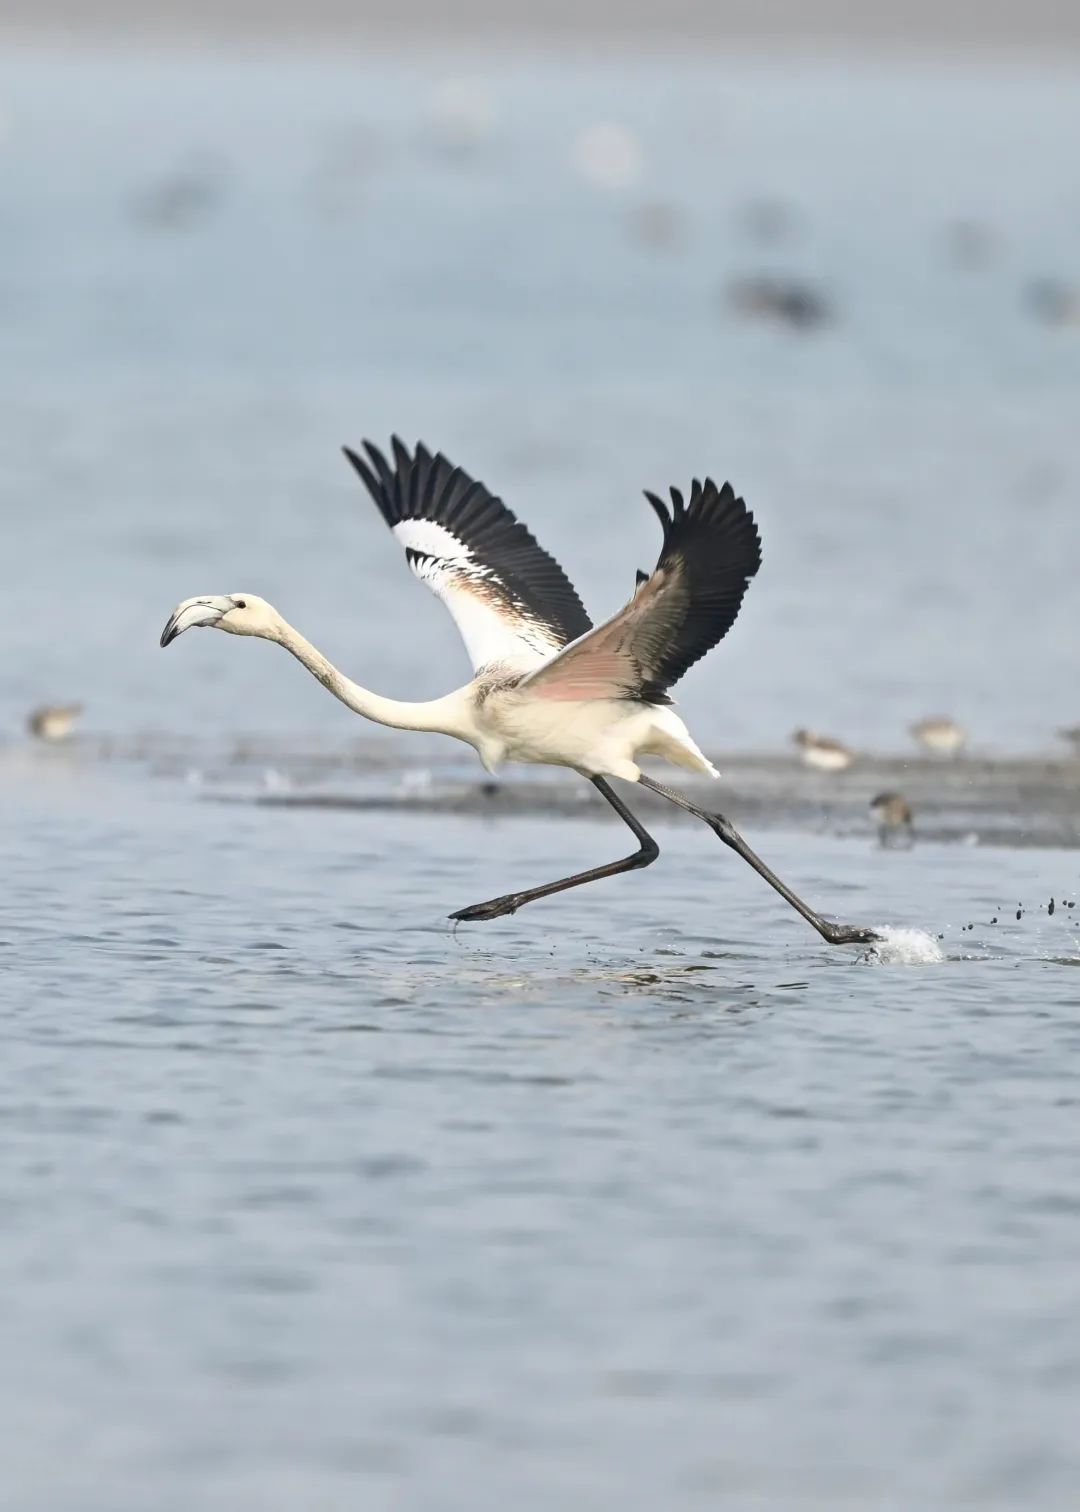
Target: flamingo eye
[239, 603]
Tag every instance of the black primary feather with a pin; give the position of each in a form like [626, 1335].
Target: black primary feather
[426, 487]
[687, 603]
[710, 553]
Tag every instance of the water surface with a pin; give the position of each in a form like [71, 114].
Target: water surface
[643, 1197]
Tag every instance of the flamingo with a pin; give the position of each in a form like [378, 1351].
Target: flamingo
[549, 686]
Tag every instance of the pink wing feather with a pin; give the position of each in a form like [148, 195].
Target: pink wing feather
[711, 551]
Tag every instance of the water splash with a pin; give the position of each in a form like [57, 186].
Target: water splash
[905, 947]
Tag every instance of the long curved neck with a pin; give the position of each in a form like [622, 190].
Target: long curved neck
[440, 714]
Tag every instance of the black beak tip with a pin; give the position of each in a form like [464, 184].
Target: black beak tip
[167, 635]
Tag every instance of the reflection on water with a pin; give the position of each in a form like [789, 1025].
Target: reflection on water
[642, 1196]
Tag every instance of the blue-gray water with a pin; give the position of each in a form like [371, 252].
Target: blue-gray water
[642, 1197]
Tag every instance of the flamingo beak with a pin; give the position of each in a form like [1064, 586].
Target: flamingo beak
[204, 611]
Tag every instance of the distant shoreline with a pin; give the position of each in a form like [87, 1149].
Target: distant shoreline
[950, 27]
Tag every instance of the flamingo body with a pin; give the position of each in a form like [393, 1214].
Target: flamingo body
[596, 736]
[549, 686]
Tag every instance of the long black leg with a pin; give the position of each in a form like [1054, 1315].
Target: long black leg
[835, 934]
[645, 856]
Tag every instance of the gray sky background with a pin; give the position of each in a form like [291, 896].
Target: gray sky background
[1013, 25]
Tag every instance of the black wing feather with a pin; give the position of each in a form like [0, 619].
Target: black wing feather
[686, 604]
[710, 553]
[422, 486]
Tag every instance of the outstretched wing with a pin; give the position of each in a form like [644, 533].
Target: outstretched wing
[511, 601]
[711, 551]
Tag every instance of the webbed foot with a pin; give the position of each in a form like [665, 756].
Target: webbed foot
[850, 934]
[494, 908]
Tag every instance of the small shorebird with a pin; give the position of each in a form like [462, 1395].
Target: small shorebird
[971, 244]
[608, 155]
[940, 735]
[822, 752]
[549, 687]
[183, 198]
[657, 224]
[461, 115]
[769, 220]
[893, 813]
[785, 301]
[1054, 302]
[53, 721]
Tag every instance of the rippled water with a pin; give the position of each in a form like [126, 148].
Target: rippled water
[642, 1197]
